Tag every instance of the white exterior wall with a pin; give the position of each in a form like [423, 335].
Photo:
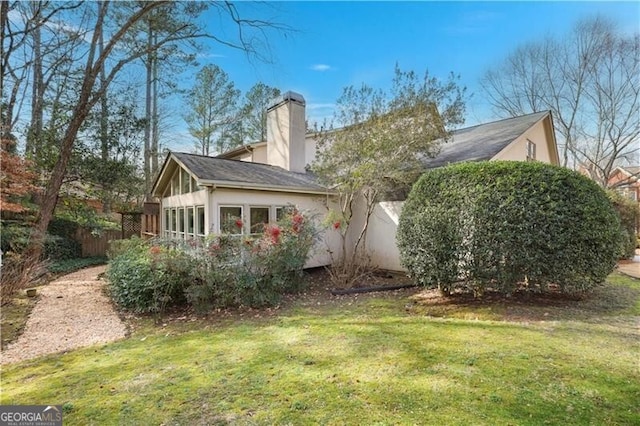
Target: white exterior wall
[329, 240]
[182, 200]
[381, 242]
[380, 245]
[309, 150]
[517, 151]
[260, 154]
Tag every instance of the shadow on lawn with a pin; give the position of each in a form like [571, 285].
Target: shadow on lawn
[618, 296]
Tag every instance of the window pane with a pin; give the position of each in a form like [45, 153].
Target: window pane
[167, 222]
[279, 213]
[181, 221]
[175, 184]
[174, 218]
[186, 178]
[194, 185]
[259, 217]
[231, 220]
[190, 220]
[200, 215]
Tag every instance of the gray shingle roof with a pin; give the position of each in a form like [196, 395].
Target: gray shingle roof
[241, 172]
[484, 141]
[633, 170]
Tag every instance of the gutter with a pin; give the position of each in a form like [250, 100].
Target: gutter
[263, 187]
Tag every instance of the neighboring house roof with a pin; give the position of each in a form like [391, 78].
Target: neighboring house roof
[224, 173]
[484, 141]
[631, 170]
[625, 176]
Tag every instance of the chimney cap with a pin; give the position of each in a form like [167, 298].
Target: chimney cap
[286, 97]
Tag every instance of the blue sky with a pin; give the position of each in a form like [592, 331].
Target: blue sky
[336, 44]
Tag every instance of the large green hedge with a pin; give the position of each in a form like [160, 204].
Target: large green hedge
[506, 227]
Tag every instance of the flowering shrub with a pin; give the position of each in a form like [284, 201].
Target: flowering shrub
[254, 271]
[219, 271]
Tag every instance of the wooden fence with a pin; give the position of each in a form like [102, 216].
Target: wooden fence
[96, 245]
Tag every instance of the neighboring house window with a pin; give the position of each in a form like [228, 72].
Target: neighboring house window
[258, 218]
[531, 151]
[231, 220]
[201, 226]
[629, 193]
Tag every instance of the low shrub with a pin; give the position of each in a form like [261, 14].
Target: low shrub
[145, 277]
[506, 227]
[221, 271]
[628, 213]
[70, 265]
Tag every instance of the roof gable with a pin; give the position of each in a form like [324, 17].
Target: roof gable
[220, 172]
[484, 141]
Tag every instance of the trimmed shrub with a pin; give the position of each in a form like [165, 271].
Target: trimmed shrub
[506, 227]
[628, 213]
[147, 277]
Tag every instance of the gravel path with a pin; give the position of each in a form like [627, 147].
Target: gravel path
[71, 312]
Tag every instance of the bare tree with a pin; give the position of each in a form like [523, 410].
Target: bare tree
[589, 80]
[109, 37]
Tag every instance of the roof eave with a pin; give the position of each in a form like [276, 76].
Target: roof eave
[264, 187]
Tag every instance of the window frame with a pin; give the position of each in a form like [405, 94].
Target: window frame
[531, 150]
[200, 221]
[252, 231]
[221, 221]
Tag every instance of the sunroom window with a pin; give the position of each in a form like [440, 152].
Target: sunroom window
[258, 218]
[231, 220]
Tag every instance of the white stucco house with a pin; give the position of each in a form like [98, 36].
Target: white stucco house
[200, 195]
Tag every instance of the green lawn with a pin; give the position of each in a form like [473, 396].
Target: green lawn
[364, 360]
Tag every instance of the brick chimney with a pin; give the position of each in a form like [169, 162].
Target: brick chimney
[286, 131]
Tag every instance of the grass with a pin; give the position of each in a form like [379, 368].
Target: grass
[13, 317]
[368, 359]
[66, 266]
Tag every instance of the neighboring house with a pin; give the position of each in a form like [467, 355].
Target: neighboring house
[202, 195]
[626, 181]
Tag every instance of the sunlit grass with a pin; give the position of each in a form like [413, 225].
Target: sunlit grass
[367, 360]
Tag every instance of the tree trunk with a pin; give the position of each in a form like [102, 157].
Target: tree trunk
[104, 134]
[148, 117]
[34, 139]
[155, 130]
